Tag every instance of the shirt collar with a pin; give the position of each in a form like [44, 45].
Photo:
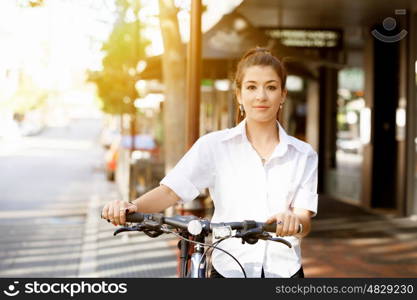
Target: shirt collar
[240, 130]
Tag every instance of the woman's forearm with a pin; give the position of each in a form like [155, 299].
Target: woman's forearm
[156, 200]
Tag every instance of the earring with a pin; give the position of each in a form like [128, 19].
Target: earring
[280, 106]
[242, 110]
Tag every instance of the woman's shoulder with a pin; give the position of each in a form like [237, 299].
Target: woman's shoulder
[214, 136]
[301, 146]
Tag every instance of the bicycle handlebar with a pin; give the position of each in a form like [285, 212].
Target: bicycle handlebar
[249, 231]
[182, 222]
[135, 217]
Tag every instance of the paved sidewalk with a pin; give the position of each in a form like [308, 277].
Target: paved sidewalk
[44, 247]
[76, 242]
[129, 254]
[347, 241]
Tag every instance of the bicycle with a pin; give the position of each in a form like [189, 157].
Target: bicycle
[193, 230]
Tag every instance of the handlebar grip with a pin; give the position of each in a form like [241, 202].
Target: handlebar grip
[273, 227]
[270, 227]
[136, 217]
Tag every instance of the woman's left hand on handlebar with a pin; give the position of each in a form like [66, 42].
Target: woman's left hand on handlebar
[287, 223]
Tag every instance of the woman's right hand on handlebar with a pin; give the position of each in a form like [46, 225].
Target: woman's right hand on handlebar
[115, 211]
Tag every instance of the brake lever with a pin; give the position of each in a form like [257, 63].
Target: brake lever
[281, 240]
[146, 228]
[250, 236]
[126, 228]
[266, 236]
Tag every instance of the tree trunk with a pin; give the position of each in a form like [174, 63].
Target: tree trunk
[174, 72]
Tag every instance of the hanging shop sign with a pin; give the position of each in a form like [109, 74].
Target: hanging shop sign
[306, 38]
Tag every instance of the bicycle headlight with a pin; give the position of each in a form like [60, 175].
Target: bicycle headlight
[194, 227]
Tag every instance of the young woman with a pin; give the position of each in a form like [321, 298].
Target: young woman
[254, 171]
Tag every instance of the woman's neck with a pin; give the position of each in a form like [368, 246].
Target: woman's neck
[262, 133]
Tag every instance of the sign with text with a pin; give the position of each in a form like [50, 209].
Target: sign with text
[306, 38]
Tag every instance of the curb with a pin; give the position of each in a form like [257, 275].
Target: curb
[88, 261]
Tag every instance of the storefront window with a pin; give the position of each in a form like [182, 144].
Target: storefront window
[295, 109]
[346, 178]
[216, 110]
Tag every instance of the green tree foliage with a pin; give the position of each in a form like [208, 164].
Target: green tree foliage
[124, 49]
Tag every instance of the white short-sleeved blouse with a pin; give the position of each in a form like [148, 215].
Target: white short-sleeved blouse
[243, 188]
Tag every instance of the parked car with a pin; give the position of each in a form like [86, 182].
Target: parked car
[107, 137]
[146, 147]
[111, 157]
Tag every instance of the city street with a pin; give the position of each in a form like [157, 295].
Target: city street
[46, 183]
[51, 189]
[50, 171]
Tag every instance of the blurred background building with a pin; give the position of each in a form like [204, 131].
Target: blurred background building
[352, 83]
[351, 89]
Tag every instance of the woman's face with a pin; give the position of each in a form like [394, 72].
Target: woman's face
[261, 93]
